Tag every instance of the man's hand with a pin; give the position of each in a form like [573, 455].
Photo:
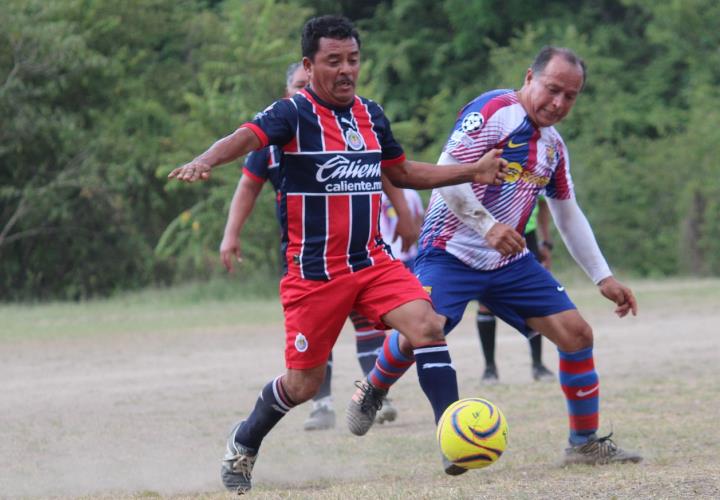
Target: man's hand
[613, 290]
[408, 230]
[491, 168]
[229, 251]
[191, 172]
[505, 239]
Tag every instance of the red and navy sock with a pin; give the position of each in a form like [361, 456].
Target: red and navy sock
[272, 405]
[369, 344]
[581, 386]
[437, 376]
[391, 363]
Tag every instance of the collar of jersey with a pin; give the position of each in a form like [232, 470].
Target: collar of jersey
[327, 104]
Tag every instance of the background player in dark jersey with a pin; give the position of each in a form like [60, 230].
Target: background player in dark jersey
[337, 148]
[485, 320]
[261, 166]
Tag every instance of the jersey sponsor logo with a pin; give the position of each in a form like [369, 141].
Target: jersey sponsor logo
[472, 121]
[340, 174]
[516, 172]
[581, 394]
[301, 343]
[513, 145]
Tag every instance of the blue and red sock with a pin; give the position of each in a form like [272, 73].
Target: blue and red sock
[437, 376]
[581, 386]
[391, 363]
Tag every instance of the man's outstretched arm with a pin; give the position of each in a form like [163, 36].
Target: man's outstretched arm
[490, 169]
[227, 149]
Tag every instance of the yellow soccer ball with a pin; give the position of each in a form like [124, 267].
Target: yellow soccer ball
[472, 433]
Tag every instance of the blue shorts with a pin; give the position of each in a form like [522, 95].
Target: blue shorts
[522, 289]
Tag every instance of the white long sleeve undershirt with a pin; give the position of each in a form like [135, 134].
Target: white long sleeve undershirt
[572, 224]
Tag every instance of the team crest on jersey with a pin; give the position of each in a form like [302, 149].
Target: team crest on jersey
[472, 121]
[301, 343]
[551, 155]
[354, 139]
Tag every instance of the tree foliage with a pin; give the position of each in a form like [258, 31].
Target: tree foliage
[101, 99]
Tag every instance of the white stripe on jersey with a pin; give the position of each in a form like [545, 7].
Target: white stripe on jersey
[536, 155]
[369, 117]
[327, 234]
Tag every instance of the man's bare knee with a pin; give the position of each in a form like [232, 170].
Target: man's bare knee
[302, 385]
[578, 338]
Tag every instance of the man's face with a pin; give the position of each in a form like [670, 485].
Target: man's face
[298, 81]
[334, 70]
[550, 95]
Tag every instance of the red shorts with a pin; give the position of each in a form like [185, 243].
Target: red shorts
[315, 311]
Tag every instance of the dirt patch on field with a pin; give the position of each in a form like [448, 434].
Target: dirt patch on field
[145, 413]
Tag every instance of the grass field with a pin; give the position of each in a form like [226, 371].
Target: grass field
[132, 397]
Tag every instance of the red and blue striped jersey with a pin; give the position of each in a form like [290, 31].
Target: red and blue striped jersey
[263, 165]
[538, 161]
[330, 185]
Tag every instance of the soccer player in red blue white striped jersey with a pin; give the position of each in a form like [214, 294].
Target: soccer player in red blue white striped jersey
[464, 257]
[337, 147]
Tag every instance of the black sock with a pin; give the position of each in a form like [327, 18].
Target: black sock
[536, 350]
[272, 405]
[486, 326]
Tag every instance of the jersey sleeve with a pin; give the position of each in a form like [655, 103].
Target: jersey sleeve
[560, 186]
[392, 151]
[475, 131]
[276, 125]
[256, 165]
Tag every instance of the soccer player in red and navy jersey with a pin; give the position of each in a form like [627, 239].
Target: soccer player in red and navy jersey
[264, 166]
[337, 147]
[466, 258]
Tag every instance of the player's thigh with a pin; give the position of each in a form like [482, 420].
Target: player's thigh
[451, 285]
[524, 289]
[384, 288]
[315, 312]
[567, 329]
[417, 321]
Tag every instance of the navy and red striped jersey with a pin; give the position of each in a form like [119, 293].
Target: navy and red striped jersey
[263, 165]
[330, 185]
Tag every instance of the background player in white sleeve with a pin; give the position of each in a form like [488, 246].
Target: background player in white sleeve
[465, 257]
[389, 221]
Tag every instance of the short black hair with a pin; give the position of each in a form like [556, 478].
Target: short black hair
[550, 51]
[335, 27]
